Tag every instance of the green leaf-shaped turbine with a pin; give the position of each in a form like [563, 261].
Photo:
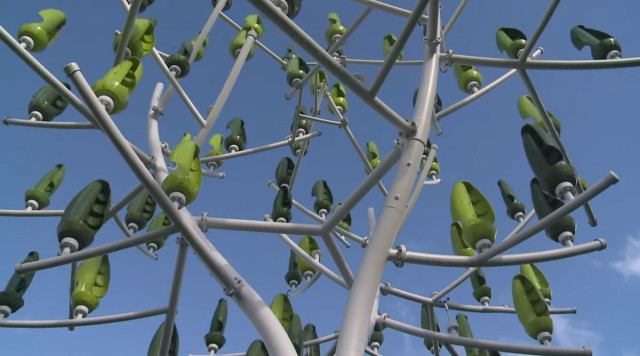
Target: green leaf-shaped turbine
[39, 196]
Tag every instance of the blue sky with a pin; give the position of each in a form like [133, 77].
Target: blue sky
[480, 143]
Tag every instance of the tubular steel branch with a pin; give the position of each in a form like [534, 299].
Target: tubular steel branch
[361, 299]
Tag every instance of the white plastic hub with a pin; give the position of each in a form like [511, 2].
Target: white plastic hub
[35, 116]
[485, 301]
[152, 247]
[295, 82]
[81, 311]
[518, 216]
[213, 347]
[5, 311]
[483, 245]
[300, 132]
[544, 337]
[308, 275]
[293, 285]
[452, 328]
[473, 87]
[32, 204]
[133, 228]
[547, 301]
[178, 198]
[107, 102]
[563, 188]
[27, 42]
[234, 148]
[520, 53]
[335, 38]
[615, 54]
[566, 238]
[70, 243]
[281, 220]
[175, 70]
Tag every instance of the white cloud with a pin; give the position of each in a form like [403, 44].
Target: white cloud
[569, 332]
[629, 266]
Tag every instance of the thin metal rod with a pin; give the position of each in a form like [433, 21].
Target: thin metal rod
[115, 208]
[94, 251]
[308, 284]
[270, 146]
[361, 299]
[390, 9]
[264, 321]
[31, 213]
[387, 289]
[502, 260]
[259, 226]
[309, 45]
[260, 45]
[313, 215]
[485, 344]
[347, 130]
[32, 324]
[555, 136]
[334, 46]
[527, 219]
[127, 31]
[321, 340]
[379, 62]
[454, 17]
[454, 284]
[485, 89]
[241, 58]
[196, 49]
[397, 48]
[49, 124]
[538, 32]
[72, 287]
[310, 260]
[369, 351]
[362, 189]
[129, 234]
[178, 89]
[338, 259]
[318, 119]
[174, 297]
[451, 350]
[202, 36]
[534, 65]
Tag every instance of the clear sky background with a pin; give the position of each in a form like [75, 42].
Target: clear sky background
[480, 143]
